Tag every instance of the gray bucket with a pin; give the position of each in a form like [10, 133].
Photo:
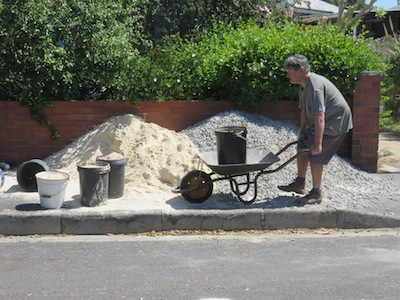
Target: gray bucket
[93, 182]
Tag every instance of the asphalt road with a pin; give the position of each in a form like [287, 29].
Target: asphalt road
[313, 265]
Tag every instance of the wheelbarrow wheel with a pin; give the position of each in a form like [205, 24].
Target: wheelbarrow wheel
[199, 184]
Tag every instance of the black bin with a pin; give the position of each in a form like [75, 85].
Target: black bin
[26, 174]
[231, 144]
[93, 183]
[116, 177]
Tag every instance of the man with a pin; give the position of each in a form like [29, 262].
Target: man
[325, 120]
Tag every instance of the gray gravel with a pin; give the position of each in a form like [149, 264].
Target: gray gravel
[344, 185]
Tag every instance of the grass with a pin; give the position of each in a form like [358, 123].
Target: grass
[392, 128]
[385, 152]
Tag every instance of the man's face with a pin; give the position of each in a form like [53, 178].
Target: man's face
[295, 76]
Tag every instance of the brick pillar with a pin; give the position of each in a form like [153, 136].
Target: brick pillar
[365, 134]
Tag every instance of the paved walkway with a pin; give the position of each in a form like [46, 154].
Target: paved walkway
[22, 214]
[389, 153]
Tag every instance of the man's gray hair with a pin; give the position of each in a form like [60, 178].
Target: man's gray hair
[297, 62]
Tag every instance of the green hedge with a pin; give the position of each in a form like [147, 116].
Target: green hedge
[104, 50]
[244, 65]
[63, 50]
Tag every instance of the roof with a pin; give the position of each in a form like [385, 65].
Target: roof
[311, 6]
[317, 5]
[394, 8]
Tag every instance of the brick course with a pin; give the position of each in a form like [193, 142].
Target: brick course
[22, 138]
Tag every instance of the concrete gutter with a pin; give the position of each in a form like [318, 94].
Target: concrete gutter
[124, 222]
[21, 214]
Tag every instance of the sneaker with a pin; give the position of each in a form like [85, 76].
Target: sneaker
[298, 186]
[313, 197]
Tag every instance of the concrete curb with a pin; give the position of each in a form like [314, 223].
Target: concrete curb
[349, 219]
[125, 222]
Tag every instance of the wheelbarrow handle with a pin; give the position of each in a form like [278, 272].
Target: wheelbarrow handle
[299, 152]
[285, 148]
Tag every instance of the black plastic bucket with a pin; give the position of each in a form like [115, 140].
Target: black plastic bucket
[93, 182]
[26, 174]
[116, 177]
[231, 144]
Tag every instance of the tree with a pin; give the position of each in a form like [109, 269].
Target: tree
[349, 13]
[183, 17]
[391, 52]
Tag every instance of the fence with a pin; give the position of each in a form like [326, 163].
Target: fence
[22, 138]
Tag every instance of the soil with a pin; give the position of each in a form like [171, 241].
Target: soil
[389, 153]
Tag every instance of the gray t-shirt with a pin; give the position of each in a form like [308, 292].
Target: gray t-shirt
[321, 95]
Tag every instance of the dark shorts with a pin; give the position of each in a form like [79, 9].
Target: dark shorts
[330, 145]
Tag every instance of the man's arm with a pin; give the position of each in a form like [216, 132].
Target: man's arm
[319, 126]
[303, 125]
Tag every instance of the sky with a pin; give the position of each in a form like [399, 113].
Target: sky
[384, 3]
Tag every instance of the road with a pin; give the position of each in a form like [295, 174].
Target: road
[313, 265]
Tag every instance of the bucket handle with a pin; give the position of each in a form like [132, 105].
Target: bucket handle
[49, 196]
[238, 135]
[99, 186]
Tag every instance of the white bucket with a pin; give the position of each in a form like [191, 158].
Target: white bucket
[51, 187]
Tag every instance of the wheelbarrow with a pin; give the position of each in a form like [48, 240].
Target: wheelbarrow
[197, 186]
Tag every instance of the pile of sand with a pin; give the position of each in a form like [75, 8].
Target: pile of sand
[157, 158]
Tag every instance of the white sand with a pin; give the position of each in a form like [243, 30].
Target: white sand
[156, 158]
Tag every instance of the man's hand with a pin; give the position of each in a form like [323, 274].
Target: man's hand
[316, 149]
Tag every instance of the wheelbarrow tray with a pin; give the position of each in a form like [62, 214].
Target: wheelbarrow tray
[256, 160]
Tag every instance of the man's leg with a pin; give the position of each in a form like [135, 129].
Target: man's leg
[302, 164]
[299, 184]
[316, 173]
[315, 195]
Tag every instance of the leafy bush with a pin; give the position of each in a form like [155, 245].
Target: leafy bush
[244, 64]
[391, 49]
[62, 50]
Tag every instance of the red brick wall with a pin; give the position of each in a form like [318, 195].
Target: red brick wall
[22, 139]
[365, 134]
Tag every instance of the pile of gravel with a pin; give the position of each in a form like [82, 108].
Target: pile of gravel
[344, 185]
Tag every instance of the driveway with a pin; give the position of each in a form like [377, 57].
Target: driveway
[389, 153]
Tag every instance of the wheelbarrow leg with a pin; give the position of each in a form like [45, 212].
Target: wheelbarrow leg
[235, 189]
[235, 185]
